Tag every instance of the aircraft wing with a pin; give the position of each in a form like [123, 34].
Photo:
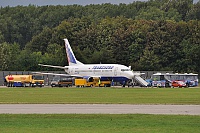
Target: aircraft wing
[61, 67]
[56, 74]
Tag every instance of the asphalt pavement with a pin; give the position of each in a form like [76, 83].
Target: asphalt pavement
[99, 109]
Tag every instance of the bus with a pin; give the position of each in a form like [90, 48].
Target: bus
[166, 79]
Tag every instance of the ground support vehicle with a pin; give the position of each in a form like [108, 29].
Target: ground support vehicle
[101, 83]
[83, 83]
[61, 81]
[92, 82]
[24, 80]
[104, 84]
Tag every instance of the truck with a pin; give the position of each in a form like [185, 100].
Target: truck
[24, 80]
[62, 81]
[92, 82]
[104, 84]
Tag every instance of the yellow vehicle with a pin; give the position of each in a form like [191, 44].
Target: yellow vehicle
[24, 80]
[83, 83]
[104, 84]
[92, 82]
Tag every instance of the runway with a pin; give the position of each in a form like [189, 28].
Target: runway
[99, 109]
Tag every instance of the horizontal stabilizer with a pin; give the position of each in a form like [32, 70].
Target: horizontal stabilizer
[57, 74]
[61, 67]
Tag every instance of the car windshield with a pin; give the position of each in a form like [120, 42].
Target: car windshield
[38, 77]
[56, 78]
[180, 82]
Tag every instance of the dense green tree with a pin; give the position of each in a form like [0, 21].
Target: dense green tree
[40, 41]
[152, 13]
[151, 35]
[9, 56]
[1, 37]
[182, 6]
[194, 13]
[55, 54]
[4, 55]
[27, 61]
[149, 61]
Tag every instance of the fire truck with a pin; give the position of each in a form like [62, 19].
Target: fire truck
[24, 80]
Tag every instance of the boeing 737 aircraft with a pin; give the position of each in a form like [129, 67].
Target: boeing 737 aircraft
[114, 72]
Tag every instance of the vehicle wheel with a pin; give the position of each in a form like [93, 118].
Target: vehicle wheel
[167, 85]
[91, 85]
[7, 85]
[187, 85]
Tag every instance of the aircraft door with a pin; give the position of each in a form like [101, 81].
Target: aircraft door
[67, 71]
[115, 71]
[71, 71]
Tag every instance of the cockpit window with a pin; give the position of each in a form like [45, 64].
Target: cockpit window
[125, 70]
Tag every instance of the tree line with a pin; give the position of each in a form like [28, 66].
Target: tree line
[153, 35]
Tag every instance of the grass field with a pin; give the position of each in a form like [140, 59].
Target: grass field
[99, 123]
[101, 95]
[72, 123]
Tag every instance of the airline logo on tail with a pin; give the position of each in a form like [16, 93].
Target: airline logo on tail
[70, 55]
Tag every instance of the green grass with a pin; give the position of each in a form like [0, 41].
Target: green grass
[99, 123]
[74, 123]
[101, 95]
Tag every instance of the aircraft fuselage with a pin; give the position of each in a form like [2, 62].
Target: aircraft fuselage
[113, 72]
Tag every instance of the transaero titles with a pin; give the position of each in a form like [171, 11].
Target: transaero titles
[102, 67]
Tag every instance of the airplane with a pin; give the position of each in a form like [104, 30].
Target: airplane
[113, 72]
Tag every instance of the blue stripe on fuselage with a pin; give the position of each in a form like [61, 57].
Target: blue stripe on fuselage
[114, 79]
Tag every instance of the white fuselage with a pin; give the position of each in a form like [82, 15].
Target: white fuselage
[114, 71]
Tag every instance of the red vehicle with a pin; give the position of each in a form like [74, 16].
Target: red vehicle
[178, 83]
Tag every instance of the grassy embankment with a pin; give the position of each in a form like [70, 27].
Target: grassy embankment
[101, 95]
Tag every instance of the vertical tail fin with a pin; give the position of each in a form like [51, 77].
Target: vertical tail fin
[70, 55]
